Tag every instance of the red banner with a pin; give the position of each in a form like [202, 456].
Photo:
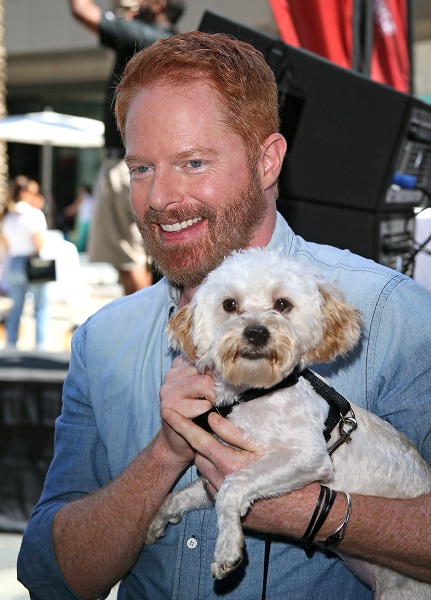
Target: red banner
[335, 29]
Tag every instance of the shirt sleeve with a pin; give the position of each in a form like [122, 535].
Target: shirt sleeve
[399, 361]
[79, 467]
[128, 36]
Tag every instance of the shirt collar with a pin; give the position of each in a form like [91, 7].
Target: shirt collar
[283, 238]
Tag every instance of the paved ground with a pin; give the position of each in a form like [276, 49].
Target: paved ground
[99, 286]
[10, 589]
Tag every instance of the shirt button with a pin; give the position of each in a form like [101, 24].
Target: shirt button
[192, 543]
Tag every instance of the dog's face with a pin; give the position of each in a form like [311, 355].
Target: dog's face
[258, 316]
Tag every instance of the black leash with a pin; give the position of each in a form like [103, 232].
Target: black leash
[266, 565]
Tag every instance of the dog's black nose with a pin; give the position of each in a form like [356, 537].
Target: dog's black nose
[257, 335]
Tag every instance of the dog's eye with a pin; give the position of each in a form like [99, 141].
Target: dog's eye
[230, 305]
[281, 305]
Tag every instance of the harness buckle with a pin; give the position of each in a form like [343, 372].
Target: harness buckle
[344, 438]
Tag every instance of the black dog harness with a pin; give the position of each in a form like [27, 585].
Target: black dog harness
[339, 407]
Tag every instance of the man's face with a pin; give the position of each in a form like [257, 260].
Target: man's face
[195, 198]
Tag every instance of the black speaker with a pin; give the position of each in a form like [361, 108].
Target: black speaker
[384, 236]
[359, 152]
[351, 141]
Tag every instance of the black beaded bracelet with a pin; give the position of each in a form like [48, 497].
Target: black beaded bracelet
[315, 513]
[323, 506]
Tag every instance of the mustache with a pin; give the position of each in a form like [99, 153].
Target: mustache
[175, 215]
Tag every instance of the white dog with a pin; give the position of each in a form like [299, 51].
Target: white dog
[256, 319]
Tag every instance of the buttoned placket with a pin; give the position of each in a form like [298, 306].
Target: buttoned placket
[194, 554]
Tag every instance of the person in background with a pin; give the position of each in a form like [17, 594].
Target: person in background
[23, 231]
[113, 236]
[81, 210]
[199, 116]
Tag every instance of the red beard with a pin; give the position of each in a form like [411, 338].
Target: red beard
[228, 228]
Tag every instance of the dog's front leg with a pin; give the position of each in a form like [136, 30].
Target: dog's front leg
[275, 473]
[175, 505]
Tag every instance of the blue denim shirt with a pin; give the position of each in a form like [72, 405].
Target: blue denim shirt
[111, 411]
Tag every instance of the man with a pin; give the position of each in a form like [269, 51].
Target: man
[199, 117]
[114, 237]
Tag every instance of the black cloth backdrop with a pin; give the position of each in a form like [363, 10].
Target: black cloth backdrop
[30, 401]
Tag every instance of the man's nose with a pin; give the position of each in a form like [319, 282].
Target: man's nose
[166, 189]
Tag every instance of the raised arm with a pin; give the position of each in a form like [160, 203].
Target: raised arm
[87, 12]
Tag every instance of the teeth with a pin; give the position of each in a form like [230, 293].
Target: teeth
[179, 226]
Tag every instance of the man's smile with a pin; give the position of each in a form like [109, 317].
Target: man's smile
[179, 226]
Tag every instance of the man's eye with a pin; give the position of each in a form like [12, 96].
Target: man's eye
[230, 305]
[196, 163]
[282, 305]
[136, 171]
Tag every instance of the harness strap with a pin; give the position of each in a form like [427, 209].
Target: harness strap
[338, 405]
[247, 396]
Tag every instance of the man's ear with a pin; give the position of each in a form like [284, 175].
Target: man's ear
[273, 150]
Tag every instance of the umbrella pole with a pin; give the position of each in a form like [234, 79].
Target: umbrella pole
[47, 171]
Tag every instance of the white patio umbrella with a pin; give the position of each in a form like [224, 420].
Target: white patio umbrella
[52, 128]
[48, 129]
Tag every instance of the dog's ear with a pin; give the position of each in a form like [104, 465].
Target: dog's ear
[341, 328]
[179, 329]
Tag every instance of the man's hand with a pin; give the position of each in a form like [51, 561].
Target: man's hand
[214, 459]
[185, 392]
[88, 13]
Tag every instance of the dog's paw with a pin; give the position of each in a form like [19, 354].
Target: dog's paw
[229, 547]
[159, 524]
[153, 535]
[226, 559]
[156, 530]
[220, 570]
[175, 519]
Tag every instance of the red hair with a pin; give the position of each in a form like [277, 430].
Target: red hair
[235, 70]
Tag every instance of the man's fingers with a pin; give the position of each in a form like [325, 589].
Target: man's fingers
[225, 457]
[197, 437]
[183, 381]
[200, 439]
[229, 432]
